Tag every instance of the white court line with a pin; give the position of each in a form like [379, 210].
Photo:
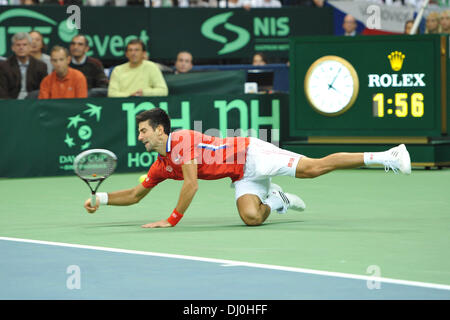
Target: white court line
[229, 263]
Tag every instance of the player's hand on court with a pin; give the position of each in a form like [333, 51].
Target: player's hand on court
[158, 224]
[88, 206]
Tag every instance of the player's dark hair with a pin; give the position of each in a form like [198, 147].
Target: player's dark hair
[136, 41]
[155, 117]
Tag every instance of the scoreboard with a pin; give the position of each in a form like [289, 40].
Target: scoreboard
[369, 86]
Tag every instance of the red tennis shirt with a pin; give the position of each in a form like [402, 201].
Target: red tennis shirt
[217, 158]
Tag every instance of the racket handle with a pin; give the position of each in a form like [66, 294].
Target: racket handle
[93, 200]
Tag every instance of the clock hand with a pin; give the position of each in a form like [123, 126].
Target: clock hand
[330, 86]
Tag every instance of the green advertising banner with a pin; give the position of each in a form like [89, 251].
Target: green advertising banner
[234, 33]
[42, 137]
[369, 86]
[206, 33]
[107, 29]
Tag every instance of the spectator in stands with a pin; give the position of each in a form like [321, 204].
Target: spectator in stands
[445, 21]
[64, 81]
[408, 26]
[265, 4]
[38, 48]
[92, 68]
[307, 3]
[137, 77]
[349, 25]
[23, 73]
[18, 2]
[259, 59]
[235, 4]
[183, 64]
[62, 2]
[198, 3]
[432, 23]
[3, 80]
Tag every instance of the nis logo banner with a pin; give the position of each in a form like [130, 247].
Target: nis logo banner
[235, 32]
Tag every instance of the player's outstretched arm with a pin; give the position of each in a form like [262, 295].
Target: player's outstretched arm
[187, 193]
[120, 198]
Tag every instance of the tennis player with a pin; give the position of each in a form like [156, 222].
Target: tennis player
[250, 163]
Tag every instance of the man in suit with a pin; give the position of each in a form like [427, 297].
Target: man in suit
[349, 25]
[22, 74]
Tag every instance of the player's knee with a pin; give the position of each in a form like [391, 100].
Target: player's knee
[252, 218]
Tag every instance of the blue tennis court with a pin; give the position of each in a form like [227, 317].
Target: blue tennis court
[39, 270]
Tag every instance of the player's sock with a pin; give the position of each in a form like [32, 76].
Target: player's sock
[375, 157]
[280, 201]
[275, 202]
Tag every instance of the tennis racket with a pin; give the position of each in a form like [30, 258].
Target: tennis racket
[94, 165]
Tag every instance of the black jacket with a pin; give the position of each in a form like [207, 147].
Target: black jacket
[93, 71]
[11, 78]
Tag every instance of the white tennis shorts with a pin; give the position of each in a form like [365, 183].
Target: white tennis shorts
[264, 161]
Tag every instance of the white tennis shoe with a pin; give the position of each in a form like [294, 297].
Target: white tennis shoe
[398, 160]
[290, 201]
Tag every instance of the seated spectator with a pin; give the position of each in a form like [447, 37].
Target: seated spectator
[62, 2]
[408, 26]
[349, 25]
[38, 48]
[3, 80]
[183, 63]
[445, 21]
[432, 23]
[64, 81]
[234, 3]
[198, 3]
[91, 68]
[306, 3]
[137, 77]
[23, 73]
[265, 4]
[259, 59]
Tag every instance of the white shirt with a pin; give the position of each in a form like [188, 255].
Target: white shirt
[415, 3]
[265, 4]
[23, 67]
[238, 4]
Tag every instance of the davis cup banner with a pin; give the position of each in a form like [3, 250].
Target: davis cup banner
[42, 137]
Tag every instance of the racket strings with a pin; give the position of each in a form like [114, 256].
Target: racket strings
[95, 166]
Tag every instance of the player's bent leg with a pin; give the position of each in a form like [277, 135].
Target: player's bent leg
[251, 210]
[312, 168]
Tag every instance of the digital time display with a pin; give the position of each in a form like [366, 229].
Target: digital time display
[399, 87]
[402, 105]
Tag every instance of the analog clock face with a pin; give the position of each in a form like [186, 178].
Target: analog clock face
[331, 85]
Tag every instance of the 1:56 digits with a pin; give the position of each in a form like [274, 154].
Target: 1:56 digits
[401, 105]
